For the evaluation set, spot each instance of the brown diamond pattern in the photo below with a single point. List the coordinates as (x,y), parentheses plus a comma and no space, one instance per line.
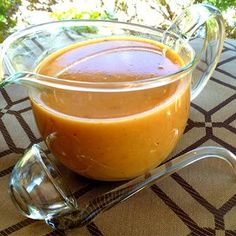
(212,122)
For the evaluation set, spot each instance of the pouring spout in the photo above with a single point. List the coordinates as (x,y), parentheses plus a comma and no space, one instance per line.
(31,79)
(13,79)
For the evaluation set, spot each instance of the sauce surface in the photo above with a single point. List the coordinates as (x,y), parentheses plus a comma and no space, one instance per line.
(112,136)
(111,59)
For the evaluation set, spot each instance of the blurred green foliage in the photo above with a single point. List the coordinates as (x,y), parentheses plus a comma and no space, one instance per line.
(8,9)
(220,4)
(73,14)
(38,5)
(7,16)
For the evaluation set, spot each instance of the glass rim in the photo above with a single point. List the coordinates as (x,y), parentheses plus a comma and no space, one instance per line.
(116,86)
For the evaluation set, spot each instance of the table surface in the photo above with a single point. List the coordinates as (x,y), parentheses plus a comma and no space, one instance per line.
(198,200)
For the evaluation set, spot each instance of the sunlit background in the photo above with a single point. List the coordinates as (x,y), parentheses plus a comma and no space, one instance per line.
(18,14)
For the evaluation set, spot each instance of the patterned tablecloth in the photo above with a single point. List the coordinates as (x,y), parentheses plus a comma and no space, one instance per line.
(198,200)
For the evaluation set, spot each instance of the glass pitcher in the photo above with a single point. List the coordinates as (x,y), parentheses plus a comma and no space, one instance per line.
(114,130)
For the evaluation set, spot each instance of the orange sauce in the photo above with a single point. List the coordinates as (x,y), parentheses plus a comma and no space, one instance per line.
(112,135)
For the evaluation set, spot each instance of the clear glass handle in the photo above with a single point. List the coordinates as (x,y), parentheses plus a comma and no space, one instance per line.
(81,217)
(203,26)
